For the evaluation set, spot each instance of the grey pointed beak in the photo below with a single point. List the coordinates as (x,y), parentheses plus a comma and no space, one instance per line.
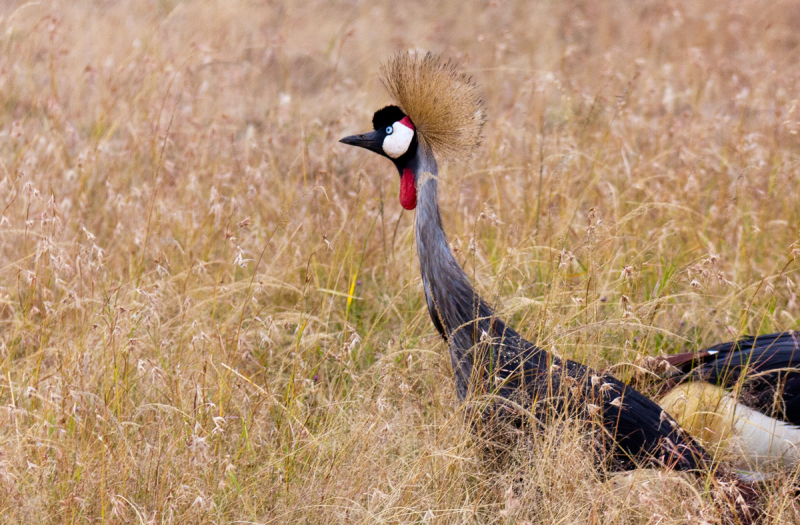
(370,141)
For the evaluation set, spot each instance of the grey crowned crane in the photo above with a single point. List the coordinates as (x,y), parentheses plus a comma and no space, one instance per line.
(745,393)
(438,112)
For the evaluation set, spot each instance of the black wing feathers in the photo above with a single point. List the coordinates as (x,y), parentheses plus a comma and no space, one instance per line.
(635,429)
(767,365)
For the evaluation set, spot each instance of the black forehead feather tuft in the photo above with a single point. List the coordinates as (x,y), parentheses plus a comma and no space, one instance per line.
(387,116)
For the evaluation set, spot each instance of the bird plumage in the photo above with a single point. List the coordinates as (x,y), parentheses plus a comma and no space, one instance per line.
(490,358)
(745,393)
(495,368)
(768,367)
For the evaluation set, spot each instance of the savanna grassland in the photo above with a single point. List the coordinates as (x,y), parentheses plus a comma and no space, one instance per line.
(211,311)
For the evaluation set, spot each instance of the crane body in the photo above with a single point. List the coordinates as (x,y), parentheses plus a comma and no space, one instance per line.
(491,358)
(509,379)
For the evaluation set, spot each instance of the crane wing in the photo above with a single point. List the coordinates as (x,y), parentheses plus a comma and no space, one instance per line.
(768,367)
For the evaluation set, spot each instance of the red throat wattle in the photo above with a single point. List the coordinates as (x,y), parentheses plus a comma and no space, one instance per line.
(408,192)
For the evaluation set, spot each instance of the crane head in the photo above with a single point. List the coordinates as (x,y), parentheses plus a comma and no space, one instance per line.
(394,137)
(439,111)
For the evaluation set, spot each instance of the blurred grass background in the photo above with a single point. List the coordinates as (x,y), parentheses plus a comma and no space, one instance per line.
(211,312)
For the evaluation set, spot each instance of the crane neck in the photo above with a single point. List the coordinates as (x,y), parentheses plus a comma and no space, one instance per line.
(459,314)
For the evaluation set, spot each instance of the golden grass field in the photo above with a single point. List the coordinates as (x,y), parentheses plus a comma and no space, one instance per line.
(211,311)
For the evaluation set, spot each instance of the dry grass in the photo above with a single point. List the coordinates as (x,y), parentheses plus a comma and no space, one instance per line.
(210,311)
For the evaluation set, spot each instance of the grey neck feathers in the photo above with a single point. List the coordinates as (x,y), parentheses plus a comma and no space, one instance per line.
(462,318)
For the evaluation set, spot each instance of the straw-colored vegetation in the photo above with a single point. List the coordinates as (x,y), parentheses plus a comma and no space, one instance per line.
(210,311)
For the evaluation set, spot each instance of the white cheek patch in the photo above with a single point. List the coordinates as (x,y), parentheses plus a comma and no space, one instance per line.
(396,144)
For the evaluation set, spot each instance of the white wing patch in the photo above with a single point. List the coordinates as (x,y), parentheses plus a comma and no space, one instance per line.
(769,442)
(752,439)
(396,144)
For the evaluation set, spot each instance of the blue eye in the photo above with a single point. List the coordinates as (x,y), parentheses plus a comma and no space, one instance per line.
(389,130)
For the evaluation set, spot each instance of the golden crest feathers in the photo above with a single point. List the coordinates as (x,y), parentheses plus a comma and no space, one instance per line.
(443,104)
